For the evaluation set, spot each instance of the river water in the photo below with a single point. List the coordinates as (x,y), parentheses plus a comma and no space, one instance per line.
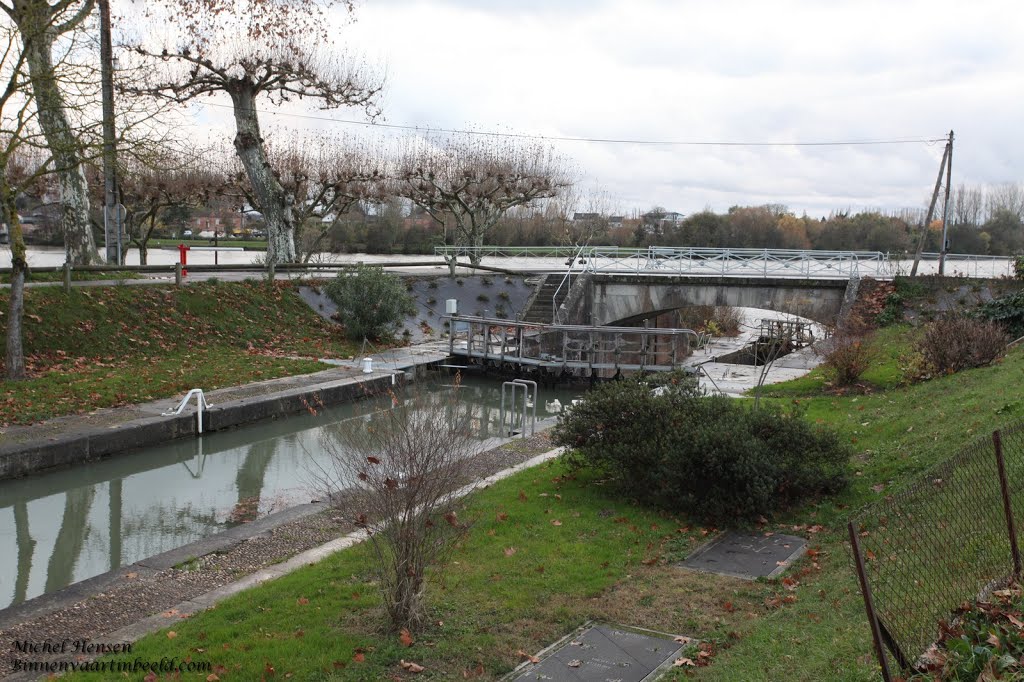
(68,525)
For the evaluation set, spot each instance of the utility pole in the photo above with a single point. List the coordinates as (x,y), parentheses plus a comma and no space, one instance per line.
(945,211)
(111,209)
(931,207)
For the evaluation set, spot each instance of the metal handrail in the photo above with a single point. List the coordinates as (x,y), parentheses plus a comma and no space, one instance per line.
(200,404)
(566,282)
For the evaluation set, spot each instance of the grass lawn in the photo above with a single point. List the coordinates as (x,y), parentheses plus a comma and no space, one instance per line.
(115,345)
(76,275)
(522,581)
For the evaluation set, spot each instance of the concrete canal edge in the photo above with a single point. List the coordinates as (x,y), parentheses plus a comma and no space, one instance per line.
(189,607)
(68,441)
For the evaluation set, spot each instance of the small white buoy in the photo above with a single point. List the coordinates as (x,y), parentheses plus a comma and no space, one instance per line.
(553,407)
(367,365)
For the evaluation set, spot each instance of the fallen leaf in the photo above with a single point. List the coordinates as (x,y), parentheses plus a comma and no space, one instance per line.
(522,496)
(372,460)
(575,663)
(172,634)
(556,522)
(212,677)
(680,662)
(682,639)
(531,658)
(303,601)
(411,667)
(509,551)
(502,516)
(405,637)
(359,657)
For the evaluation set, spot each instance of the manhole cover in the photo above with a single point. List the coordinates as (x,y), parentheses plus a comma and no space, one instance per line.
(599,653)
(747,556)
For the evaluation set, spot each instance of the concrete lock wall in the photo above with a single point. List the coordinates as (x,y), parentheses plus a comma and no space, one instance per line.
(627,298)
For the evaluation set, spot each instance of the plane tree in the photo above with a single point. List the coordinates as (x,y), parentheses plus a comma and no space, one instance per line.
(255,51)
(466,184)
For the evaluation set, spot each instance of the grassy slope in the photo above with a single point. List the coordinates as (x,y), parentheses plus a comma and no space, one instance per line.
(824,635)
(114,345)
(612,561)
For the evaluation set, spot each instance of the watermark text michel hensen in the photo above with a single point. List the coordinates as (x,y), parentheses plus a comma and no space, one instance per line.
(71,646)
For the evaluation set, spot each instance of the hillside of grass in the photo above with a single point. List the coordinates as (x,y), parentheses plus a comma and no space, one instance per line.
(108,346)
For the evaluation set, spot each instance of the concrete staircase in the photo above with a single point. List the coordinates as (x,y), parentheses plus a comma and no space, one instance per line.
(539,311)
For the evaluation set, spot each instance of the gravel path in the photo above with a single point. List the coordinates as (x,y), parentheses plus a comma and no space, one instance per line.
(136,594)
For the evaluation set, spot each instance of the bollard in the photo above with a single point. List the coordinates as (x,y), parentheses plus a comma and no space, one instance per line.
(367,365)
(183,259)
(67,277)
(177,274)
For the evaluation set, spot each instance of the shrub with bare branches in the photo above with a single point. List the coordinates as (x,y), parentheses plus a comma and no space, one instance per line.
(957,342)
(846,355)
(397,474)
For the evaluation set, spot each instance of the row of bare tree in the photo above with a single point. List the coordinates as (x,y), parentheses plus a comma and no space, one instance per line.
(254,52)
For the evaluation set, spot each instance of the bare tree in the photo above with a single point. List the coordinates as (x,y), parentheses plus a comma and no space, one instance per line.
(42,26)
(157,181)
(326,175)
(397,474)
(1006,198)
(968,204)
(24,163)
(474,181)
(253,50)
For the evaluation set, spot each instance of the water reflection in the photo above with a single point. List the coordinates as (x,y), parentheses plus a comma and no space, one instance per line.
(69,525)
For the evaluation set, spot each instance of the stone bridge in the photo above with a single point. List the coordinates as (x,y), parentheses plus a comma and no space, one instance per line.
(626,299)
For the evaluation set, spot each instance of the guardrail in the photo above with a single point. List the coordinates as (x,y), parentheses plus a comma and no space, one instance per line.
(700,260)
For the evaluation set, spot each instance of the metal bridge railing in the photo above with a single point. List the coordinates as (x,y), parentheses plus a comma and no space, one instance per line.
(700,260)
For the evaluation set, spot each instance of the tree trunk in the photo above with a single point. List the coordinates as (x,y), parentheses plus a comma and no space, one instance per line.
(143,254)
(15,358)
(274,201)
(37,36)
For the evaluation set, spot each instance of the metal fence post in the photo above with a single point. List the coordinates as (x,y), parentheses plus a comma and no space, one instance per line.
(1004,487)
(869,604)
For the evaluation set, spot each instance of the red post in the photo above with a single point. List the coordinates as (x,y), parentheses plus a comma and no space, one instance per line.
(183,258)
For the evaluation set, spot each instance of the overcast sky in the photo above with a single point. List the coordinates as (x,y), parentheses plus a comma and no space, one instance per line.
(728,71)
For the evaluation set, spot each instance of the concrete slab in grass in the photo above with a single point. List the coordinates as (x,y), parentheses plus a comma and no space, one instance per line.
(748,556)
(600,652)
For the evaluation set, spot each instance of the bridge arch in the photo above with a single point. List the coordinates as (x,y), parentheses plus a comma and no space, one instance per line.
(620,299)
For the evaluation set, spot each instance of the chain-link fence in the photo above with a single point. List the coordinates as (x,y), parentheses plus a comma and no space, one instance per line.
(946,537)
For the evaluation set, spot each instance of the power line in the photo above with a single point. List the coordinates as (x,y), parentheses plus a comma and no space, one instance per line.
(599,140)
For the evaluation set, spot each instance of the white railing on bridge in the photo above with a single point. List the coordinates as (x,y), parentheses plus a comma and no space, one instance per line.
(697,260)
(740,262)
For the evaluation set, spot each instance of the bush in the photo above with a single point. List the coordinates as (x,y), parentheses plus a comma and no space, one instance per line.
(703,455)
(371,303)
(1007,311)
(846,356)
(722,320)
(957,342)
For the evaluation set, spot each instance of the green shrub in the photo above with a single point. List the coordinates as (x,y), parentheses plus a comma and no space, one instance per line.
(707,456)
(371,303)
(1018,267)
(1007,311)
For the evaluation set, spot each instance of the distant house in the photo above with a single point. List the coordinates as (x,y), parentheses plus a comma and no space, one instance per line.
(659,220)
(585,217)
(616,220)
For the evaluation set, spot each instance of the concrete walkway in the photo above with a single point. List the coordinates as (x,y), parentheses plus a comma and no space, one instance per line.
(76,438)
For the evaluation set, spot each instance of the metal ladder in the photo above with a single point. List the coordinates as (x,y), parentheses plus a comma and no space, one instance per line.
(525,418)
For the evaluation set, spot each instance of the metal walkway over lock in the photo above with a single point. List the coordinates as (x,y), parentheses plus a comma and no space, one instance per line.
(554,348)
